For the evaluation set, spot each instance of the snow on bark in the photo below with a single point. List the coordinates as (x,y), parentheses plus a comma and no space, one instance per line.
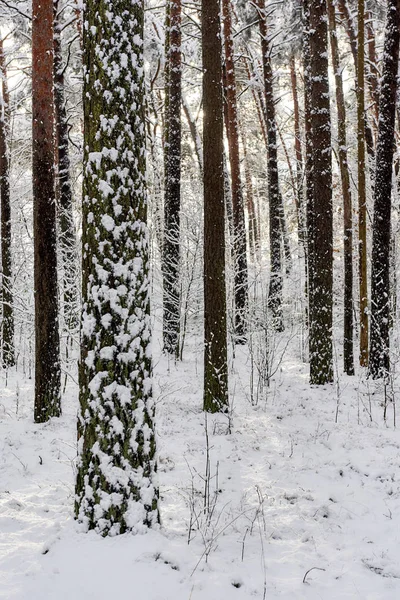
(116,489)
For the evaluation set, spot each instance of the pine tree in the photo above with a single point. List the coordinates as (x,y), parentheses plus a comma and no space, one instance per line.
(348,357)
(239,225)
(115,489)
(47,340)
(320,224)
(276,215)
(8,357)
(379,359)
(172,204)
(215,327)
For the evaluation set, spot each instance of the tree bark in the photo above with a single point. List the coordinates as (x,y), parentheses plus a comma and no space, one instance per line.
(348,355)
(47,341)
(321,215)
(379,359)
(8,356)
(172,204)
(239,226)
(116,490)
(215,325)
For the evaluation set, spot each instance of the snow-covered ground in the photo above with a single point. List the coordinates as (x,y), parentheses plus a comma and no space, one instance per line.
(295,505)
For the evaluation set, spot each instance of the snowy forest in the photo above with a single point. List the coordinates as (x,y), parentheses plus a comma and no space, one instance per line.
(199,325)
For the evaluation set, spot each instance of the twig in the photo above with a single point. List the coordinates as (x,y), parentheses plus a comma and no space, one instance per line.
(309,571)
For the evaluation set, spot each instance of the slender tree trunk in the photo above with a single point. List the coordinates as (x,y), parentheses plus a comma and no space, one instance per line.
(351,33)
(379,360)
(372,71)
(195,135)
(8,357)
(254,241)
(309,155)
(239,225)
(47,341)
(116,489)
(321,221)
(275,199)
(67,237)
(348,356)
(172,204)
(215,325)
(362,195)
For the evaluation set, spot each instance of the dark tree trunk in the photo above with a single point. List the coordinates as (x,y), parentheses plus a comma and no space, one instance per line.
(116,489)
(320,222)
(67,236)
(379,362)
(274,197)
(172,204)
(239,226)
(47,341)
(362,192)
(215,326)
(8,357)
(348,355)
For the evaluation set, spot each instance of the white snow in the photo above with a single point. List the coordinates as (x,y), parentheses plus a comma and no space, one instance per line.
(290,492)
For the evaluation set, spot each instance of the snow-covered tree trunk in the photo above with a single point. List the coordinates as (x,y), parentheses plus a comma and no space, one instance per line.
(379,360)
(116,489)
(215,321)
(320,210)
(172,203)
(47,339)
(348,354)
(239,225)
(8,356)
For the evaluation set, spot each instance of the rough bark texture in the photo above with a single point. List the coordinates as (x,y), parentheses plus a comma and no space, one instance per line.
(8,356)
(47,342)
(379,360)
(67,236)
(275,200)
(362,193)
(239,226)
(348,355)
(320,221)
(172,203)
(215,338)
(115,488)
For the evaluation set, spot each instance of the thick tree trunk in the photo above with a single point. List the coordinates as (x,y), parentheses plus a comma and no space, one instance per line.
(348,355)
(379,360)
(172,204)
(215,326)
(239,226)
(274,197)
(67,236)
(115,489)
(8,356)
(47,341)
(321,216)
(362,194)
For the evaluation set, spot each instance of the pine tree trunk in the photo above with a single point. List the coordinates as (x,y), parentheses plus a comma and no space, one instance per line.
(47,341)
(8,356)
(321,215)
(215,325)
(274,197)
(348,355)
(254,240)
(362,195)
(172,204)
(309,156)
(239,226)
(379,360)
(67,237)
(115,488)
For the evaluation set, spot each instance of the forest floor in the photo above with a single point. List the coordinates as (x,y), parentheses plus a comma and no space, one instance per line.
(297,497)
